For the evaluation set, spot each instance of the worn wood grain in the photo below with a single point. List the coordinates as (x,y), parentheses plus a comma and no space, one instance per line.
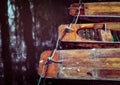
(84,67)
(76,73)
(106,8)
(84,64)
(96,9)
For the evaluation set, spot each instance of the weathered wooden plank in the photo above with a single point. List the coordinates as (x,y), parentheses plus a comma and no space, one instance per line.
(96,9)
(72,35)
(80,67)
(97,12)
(107,36)
(105,8)
(76,64)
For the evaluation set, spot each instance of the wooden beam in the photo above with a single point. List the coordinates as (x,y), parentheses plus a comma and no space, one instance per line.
(96,9)
(84,64)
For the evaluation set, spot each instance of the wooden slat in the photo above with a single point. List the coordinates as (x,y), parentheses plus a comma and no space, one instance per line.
(81,64)
(103,8)
(99,35)
(97,12)
(96,9)
(84,64)
(73,36)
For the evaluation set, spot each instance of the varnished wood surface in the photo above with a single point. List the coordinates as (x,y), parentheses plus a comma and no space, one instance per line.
(96,9)
(85,64)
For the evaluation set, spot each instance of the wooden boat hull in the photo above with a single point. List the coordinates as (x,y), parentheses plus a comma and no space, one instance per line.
(102,64)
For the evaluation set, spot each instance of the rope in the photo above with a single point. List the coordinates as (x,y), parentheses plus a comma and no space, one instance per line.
(69,27)
(57,42)
(105,28)
(39,81)
(78,14)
